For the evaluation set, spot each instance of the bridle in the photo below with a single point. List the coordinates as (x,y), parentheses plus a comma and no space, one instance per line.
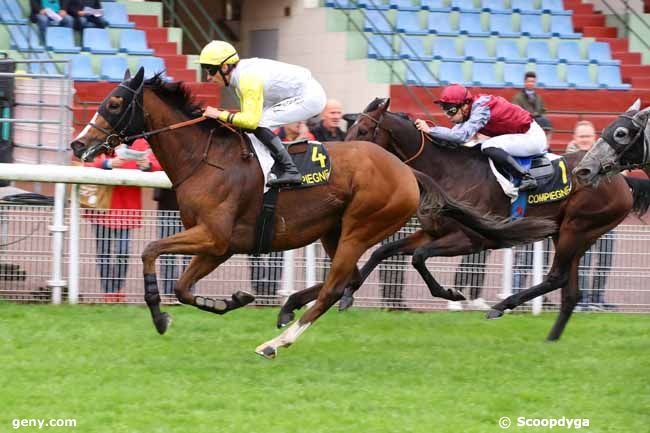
(395,148)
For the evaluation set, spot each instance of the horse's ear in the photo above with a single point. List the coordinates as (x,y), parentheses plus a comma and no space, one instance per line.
(636,106)
(137,79)
(127,75)
(385,104)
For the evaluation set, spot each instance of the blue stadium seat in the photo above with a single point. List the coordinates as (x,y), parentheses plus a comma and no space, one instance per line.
(484,75)
(115,14)
(470,24)
(609,76)
(508,51)
(112,68)
(377,22)
(434,5)
(61,40)
(494,7)
(547,77)
(569,52)
(513,74)
(24,38)
(409,22)
(11,13)
(97,41)
(531,25)
(152,65)
(440,24)
(600,53)
(501,25)
(463,6)
(42,68)
(445,50)
(451,72)
(562,27)
(477,51)
(539,52)
(555,7)
(524,7)
(412,47)
(420,74)
(404,5)
(341,4)
(373,4)
(578,76)
(381,47)
(81,68)
(134,42)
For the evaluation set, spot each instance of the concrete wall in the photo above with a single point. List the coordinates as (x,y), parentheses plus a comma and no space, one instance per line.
(304,40)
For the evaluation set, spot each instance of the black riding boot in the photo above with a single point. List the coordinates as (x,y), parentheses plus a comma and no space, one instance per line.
(502,158)
(289,174)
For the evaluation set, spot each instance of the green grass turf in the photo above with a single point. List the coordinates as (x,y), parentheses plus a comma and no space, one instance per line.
(362,371)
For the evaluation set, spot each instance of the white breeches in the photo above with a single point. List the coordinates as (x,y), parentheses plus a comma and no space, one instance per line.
(532,142)
(309,104)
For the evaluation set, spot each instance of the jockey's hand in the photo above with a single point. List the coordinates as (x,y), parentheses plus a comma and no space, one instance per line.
(421,125)
(212,112)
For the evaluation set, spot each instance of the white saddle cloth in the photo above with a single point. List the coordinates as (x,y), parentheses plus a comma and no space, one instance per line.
(264,157)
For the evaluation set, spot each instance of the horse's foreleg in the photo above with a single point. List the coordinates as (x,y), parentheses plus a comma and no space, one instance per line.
(570,296)
(197,241)
(295,302)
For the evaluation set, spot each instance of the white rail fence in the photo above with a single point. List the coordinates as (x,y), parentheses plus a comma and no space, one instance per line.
(60,254)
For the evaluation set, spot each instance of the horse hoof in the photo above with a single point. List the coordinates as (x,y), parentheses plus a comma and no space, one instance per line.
(284,318)
(243,297)
(346,302)
(457,296)
(493,314)
(162,323)
(267,352)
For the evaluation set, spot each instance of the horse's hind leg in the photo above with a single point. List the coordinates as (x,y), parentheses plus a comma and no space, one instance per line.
(570,296)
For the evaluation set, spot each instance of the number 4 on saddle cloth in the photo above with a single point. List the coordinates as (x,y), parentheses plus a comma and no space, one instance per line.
(553,182)
(313,162)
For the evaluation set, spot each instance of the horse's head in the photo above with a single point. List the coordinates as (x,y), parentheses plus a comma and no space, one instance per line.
(392,131)
(622,142)
(119,116)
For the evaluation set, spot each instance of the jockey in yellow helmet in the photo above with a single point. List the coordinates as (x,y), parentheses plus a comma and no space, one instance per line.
(271,93)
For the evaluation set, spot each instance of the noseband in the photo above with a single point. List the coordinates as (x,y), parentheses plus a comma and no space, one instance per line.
(643,129)
(397,150)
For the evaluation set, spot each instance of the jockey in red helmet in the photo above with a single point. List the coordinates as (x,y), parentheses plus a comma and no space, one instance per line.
(512,130)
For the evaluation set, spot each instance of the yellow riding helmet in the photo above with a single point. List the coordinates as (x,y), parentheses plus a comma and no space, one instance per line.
(218,53)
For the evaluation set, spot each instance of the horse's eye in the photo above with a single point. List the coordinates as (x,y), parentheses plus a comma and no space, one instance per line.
(621,133)
(363,131)
(114,106)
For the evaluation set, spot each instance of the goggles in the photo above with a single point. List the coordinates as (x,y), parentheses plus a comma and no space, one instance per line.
(450,109)
(210,69)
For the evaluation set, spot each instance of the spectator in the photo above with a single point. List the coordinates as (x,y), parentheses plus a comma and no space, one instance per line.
(329,128)
(50,13)
(169,223)
(266,269)
(529,100)
(584,137)
(84,18)
(113,226)
(471,274)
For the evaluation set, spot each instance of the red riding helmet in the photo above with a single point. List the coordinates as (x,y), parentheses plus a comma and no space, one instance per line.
(454,94)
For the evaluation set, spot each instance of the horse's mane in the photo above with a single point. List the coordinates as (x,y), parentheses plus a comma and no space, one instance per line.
(180,98)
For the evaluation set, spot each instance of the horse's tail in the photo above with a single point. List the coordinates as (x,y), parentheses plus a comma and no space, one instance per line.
(434,202)
(640,193)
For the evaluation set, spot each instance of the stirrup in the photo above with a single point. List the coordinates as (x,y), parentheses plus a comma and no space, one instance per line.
(527,184)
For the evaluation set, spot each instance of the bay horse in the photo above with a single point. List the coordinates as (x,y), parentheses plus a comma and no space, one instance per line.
(370,195)
(623,145)
(585,215)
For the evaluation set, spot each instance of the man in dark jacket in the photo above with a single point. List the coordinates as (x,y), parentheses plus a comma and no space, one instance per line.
(529,100)
(86,18)
(328,128)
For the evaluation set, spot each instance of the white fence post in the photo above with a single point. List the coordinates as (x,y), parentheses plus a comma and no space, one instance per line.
(73,264)
(288,271)
(310,265)
(507,274)
(58,229)
(538,273)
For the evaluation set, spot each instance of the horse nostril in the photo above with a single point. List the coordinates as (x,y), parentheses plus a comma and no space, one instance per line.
(582,172)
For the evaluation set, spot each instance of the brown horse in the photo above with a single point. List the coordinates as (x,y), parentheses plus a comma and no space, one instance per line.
(585,215)
(370,195)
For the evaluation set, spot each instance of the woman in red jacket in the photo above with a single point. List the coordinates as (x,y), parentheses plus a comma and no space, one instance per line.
(113,225)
